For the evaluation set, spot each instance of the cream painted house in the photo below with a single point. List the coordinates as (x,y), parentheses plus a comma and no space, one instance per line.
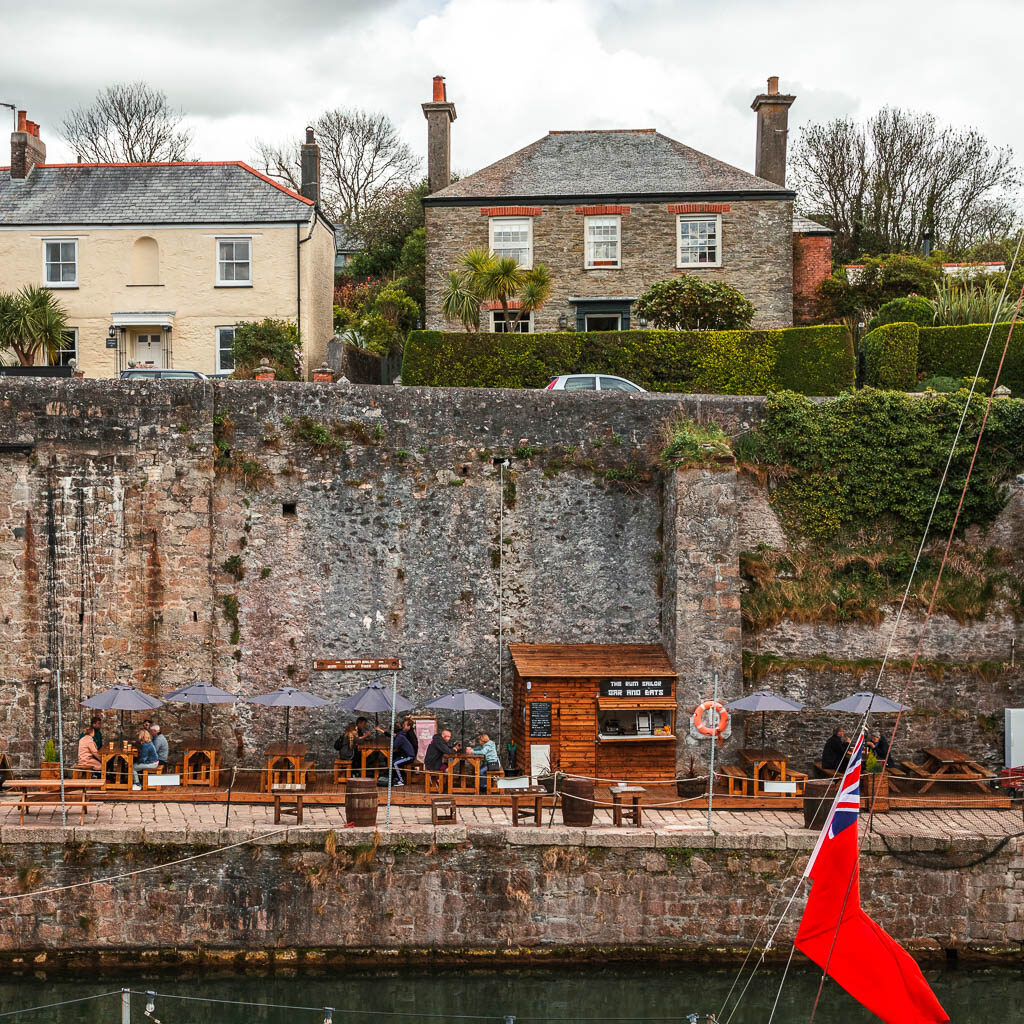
(156,263)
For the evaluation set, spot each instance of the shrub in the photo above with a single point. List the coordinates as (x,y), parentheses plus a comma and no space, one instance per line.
(275,340)
(956,352)
(963,301)
(688,443)
(811,360)
(913,310)
(890,356)
(691,304)
(880,279)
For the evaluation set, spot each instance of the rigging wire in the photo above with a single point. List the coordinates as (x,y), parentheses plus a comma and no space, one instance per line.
(63,1002)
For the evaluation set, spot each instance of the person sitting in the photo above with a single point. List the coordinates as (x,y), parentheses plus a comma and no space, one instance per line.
(147,757)
(345,745)
(440,748)
(879,746)
(835,753)
(88,752)
(485,745)
(402,753)
(97,736)
(160,743)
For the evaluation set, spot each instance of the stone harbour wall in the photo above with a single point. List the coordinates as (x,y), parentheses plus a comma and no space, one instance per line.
(493,891)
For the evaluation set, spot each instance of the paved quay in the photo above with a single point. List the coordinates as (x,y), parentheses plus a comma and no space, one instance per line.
(130,820)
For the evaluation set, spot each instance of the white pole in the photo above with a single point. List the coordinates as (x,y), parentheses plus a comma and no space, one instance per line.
(501,562)
(126,1006)
(711,778)
(391,740)
(60,752)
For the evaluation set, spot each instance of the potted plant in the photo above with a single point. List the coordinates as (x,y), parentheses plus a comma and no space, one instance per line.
(50,768)
(691,784)
(875,784)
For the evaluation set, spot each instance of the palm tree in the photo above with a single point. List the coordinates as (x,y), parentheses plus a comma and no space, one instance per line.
(32,322)
(486,277)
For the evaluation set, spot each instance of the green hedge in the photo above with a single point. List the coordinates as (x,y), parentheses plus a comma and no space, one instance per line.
(955,351)
(809,360)
(890,356)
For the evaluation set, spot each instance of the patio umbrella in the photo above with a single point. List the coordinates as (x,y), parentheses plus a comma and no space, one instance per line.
(289,697)
(122,698)
(861,703)
(464,700)
(373,699)
(201,694)
(764,701)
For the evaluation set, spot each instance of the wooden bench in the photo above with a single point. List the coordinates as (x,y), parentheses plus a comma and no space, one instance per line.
(528,803)
(84,771)
(443,810)
(73,799)
(287,803)
(436,782)
(493,777)
(159,779)
(342,771)
(915,769)
(736,780)
(626,805)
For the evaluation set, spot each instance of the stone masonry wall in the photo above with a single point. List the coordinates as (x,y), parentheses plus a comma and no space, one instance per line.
(757,256)
(488,890)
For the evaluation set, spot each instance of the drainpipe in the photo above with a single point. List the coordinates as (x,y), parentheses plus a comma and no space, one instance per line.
(299,242)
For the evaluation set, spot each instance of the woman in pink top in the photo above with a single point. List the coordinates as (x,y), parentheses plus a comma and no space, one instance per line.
(88,754)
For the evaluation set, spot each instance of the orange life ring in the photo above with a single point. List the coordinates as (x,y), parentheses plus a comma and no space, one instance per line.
(710,730)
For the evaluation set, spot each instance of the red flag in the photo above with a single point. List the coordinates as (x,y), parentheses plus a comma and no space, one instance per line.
(841,939)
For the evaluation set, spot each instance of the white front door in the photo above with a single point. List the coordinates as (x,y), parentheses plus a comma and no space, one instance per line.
(149,349)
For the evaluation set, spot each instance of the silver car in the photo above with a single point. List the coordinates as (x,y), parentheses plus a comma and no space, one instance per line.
(152,373)
(591,382)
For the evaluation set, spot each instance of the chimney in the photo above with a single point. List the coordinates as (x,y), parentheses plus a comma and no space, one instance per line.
(772,132)
(27,149)
(310,160)
(439,114)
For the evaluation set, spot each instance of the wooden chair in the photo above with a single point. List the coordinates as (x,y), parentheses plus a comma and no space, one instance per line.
(288,802)
(800,778)
(526,804)
(736,780)
(626,805)
(144,774)
(493,776)
(436,782)
(342,772)
(443,810)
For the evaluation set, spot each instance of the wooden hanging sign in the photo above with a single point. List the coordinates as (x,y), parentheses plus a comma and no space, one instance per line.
(357,664)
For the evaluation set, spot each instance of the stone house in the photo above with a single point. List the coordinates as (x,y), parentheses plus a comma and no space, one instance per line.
(612,212)
(156,263)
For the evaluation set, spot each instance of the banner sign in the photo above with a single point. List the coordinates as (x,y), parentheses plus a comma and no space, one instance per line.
(636,687)
(357,664)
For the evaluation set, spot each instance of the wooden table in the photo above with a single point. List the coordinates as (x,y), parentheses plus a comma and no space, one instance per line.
(623,810)
(200,765)
(528,803)
(116,765)
(947,765)
(47,791)
(769,765)
(286,763)
(462,781)
(368,747)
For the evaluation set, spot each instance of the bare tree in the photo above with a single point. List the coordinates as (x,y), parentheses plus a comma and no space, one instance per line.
(127,122)
(883,183)
(363,162)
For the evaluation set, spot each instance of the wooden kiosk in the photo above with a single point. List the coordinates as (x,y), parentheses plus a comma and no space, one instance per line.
(601,710)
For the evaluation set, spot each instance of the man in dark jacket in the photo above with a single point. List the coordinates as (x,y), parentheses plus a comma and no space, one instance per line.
(440,748)
(835,753)
(879,746)
(402,753)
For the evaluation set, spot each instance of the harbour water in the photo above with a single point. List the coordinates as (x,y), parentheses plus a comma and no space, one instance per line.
(564,995)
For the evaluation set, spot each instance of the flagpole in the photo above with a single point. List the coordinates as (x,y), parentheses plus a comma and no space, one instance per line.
(711,778)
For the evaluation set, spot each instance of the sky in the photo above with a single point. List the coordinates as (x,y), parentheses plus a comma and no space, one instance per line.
(516,69)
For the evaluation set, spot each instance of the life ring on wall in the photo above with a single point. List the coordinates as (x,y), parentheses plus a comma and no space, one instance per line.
(718,708)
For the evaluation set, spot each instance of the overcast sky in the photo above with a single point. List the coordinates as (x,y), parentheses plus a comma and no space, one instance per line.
(517,68)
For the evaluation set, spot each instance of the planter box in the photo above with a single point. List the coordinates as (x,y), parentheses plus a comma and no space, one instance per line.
(49,770)
(874,787)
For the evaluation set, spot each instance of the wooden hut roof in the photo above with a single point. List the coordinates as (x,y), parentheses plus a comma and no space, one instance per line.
(594,661)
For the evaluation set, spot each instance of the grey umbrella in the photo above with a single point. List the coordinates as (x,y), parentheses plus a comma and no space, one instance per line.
(201,694)
(122,698)
(764,701)
(861,703)
(373,699)
(288,697)
(464,700)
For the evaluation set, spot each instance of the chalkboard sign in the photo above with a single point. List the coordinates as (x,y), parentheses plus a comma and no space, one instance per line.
(540,719)
(636,687)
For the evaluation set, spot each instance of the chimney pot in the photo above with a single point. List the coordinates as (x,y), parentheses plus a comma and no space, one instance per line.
(440,93)
(21,120)
(309,135)
(27,149)
(773,85)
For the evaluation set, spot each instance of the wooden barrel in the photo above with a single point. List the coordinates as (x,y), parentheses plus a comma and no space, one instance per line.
(818,797)
(361,801)
(577,801)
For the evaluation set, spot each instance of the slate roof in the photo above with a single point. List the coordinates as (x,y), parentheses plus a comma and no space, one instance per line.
(344,242)
(640,163)
(805,226)
(169,193)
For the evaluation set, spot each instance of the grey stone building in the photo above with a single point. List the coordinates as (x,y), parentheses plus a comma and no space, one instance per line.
(611,212)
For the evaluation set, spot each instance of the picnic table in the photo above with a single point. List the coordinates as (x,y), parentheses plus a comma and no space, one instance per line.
(944,764)
(286,764)
(32,792)
(368,747)
(770,772)
(116,762)
(466,779)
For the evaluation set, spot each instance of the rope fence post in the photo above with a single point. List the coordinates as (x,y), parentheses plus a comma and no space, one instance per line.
(231,786)
(711,778)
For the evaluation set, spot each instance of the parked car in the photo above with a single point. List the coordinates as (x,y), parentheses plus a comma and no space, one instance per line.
(591,382)
(148,373)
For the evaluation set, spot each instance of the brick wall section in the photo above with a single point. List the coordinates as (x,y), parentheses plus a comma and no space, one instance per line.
(486,891)
(812,263)
(756,246)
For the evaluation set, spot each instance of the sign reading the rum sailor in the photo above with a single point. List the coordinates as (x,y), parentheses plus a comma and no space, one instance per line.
(636,687)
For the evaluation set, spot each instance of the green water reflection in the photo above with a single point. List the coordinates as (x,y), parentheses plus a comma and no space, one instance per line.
(592,993)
